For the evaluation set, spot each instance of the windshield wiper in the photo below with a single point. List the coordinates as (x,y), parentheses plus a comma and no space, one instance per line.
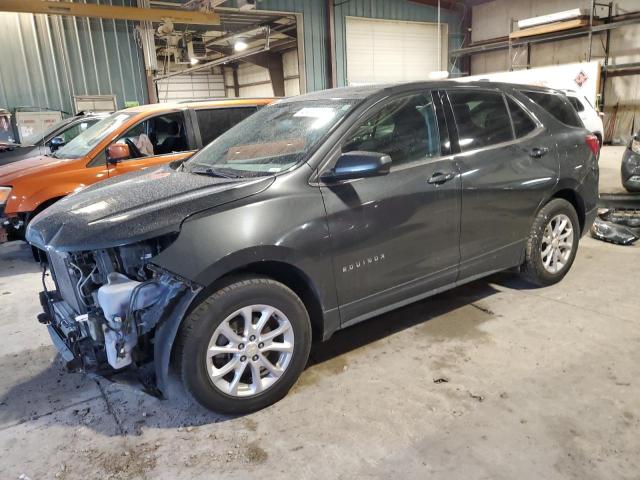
(215,172)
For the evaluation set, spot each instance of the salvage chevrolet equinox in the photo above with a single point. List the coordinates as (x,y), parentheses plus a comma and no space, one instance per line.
(311,215)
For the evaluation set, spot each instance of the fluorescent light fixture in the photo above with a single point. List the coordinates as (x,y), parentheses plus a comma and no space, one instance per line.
(552,17)
(194,61)
(240,46)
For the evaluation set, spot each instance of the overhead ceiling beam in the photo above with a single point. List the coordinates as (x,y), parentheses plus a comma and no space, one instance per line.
(288,30)
(273,48)
(109,11)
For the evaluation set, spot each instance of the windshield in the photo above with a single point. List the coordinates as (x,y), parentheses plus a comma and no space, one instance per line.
(36,137)
(87,140)
(273,140)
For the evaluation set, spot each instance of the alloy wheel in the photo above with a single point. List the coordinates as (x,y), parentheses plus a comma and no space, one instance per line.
(557,243)
(250,350)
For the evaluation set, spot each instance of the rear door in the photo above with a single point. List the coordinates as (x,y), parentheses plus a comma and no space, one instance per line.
(506,164)
(395,237)
(213,122)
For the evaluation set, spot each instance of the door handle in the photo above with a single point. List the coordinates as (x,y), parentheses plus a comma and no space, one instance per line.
(538,152)
(438,178)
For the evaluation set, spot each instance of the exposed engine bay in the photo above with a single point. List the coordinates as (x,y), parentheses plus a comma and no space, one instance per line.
(107,304)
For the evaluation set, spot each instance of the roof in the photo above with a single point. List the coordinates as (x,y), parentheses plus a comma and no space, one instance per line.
(365,91)
(221,102)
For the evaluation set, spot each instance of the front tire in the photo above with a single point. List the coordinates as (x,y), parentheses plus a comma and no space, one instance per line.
(552,243)
(245,346)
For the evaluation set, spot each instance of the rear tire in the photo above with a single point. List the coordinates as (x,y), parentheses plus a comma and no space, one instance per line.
(234,331)
(552,243)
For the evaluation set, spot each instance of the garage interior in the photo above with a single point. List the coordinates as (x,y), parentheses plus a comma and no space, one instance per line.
(494,379)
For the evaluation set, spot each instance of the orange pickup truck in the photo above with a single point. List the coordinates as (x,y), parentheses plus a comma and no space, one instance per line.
(127,140)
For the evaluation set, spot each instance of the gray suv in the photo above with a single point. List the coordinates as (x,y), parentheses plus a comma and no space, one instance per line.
(315,213)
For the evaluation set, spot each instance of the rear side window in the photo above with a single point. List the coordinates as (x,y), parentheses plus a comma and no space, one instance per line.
(214,122)
(558,106)
(577,104)
(523,124)
(481,117)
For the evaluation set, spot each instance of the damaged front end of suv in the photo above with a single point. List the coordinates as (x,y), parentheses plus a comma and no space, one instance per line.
(113,309)
(108,305)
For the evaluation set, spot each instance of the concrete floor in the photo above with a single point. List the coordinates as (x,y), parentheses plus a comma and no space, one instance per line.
(492,380)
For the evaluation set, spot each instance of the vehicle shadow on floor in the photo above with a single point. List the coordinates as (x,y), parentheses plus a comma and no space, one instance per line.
(52,393)
(369,331)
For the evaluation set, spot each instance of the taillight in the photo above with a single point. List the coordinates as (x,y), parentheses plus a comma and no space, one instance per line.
(593,143)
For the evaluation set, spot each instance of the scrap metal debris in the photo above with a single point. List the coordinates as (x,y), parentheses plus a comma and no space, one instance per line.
(619,226)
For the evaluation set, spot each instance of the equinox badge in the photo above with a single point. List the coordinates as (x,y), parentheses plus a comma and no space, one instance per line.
(363,263)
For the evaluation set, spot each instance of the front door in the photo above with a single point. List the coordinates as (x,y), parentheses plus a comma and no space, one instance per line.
(395,237)
(155,141)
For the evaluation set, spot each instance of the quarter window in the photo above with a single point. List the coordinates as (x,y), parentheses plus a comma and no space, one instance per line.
(523,124)
(406,129)
(214,122)
(556,105)
(575,103)
(481,117)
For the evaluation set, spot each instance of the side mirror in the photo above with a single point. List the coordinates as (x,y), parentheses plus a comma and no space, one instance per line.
(357,164)
(117,152)
(55,143)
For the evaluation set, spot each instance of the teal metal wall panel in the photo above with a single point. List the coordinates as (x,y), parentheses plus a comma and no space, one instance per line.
(315,28)
(314,17)
(47,59)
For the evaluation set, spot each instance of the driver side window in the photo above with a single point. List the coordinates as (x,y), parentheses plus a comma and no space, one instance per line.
(405,129)
(159,135)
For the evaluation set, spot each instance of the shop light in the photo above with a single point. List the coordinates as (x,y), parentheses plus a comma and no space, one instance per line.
(240,46)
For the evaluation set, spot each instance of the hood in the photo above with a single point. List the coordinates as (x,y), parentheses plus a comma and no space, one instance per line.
(38,165)
(20,152)
(133,207)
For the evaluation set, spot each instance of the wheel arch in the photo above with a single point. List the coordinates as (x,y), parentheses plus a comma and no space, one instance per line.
(281,271)
(575,199)
(45,204)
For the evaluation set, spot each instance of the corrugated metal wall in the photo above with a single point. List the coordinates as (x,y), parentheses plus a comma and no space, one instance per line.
(315,36)
(315,29)
(48,59)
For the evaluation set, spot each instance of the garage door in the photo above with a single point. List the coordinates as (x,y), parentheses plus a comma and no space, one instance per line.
(392,51)
(191,86)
